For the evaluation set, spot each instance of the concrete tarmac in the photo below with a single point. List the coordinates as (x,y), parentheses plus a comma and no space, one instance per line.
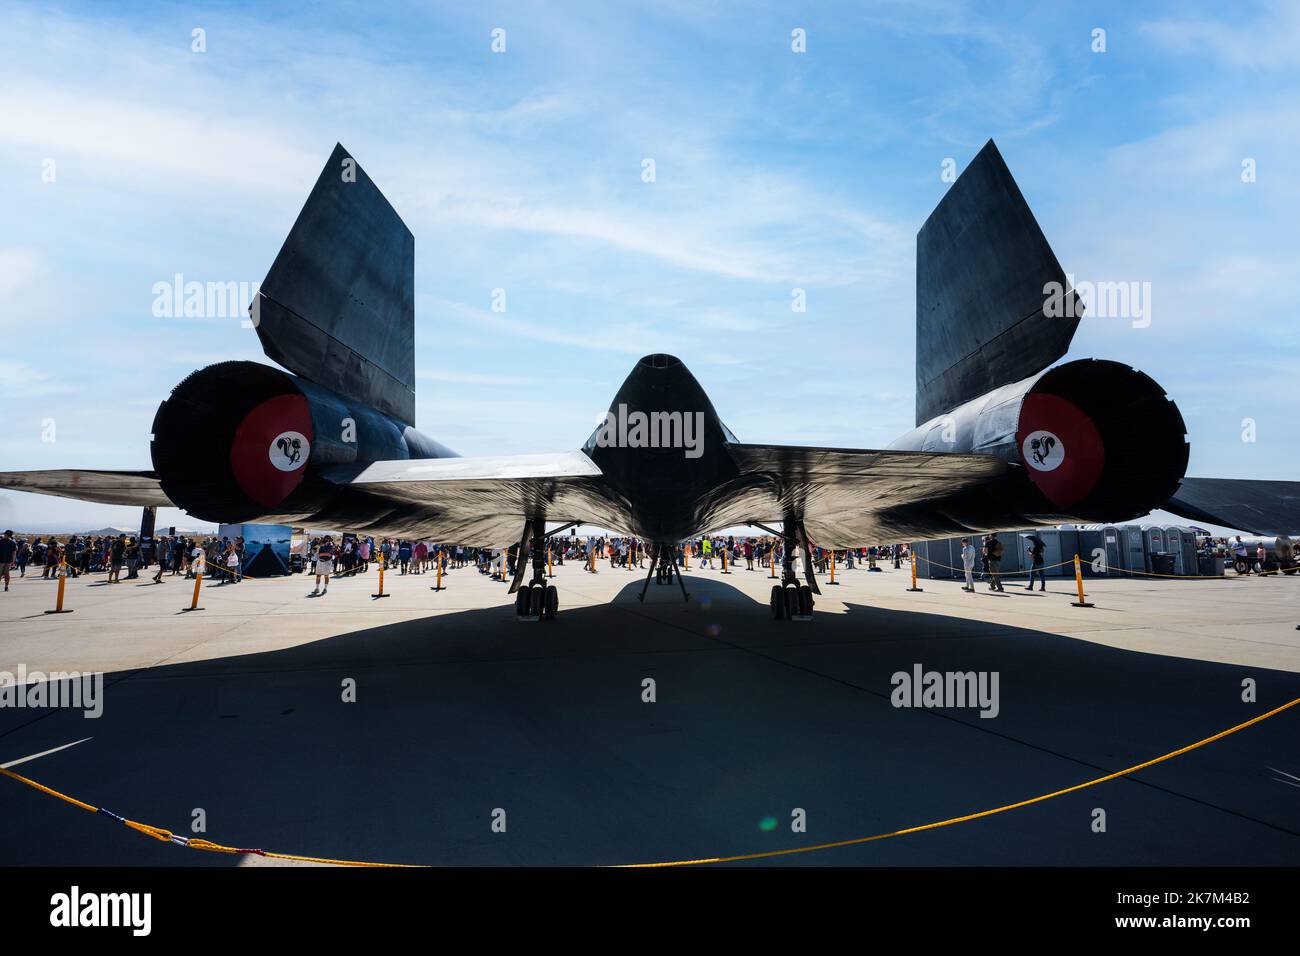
(237,712)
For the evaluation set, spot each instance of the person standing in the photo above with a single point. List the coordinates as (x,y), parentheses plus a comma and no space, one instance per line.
(233,563)
(116,555)
(325,565)
(1239,556)
(132,554)
(968,564)
(164,553)
(8,551)
(993,553)
(49,558)
(1036,548)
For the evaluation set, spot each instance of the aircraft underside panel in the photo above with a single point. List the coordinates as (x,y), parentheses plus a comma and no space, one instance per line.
(481,502)
(856,497)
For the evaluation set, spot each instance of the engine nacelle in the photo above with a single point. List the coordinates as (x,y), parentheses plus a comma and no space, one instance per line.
(241,441)
(1097,440)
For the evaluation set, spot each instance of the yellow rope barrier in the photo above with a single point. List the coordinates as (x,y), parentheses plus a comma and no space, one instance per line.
(1001,574)
(971,816)
(1109,570)
(167,836)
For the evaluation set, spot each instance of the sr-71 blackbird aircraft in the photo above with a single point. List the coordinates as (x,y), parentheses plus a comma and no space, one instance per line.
(1002,441)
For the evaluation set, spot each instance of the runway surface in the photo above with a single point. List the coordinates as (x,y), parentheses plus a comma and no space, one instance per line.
(461,710)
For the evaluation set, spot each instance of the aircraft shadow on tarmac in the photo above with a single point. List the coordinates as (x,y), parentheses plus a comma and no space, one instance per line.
(462,714)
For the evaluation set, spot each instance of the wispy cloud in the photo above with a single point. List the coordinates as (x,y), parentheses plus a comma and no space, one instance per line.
(523,172)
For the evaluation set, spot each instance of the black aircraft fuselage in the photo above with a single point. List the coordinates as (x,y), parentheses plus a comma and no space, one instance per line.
(662,447)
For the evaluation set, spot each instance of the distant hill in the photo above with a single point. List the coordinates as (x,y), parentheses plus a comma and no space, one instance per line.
(35,531)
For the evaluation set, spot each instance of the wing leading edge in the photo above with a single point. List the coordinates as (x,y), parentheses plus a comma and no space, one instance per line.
(1255,505)
(103,487)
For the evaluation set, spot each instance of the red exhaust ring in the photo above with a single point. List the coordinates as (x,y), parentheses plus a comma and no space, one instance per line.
(271,447)
(1061,448)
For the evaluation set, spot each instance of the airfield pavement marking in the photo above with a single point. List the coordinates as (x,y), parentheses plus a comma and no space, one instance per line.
(43,753)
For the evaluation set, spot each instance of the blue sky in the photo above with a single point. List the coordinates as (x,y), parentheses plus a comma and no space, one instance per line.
(522,171)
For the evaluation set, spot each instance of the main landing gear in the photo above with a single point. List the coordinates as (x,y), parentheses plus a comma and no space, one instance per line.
(790,600)
(536,601)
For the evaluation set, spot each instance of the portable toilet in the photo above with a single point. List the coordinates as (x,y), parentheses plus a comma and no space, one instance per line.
(941,562)
(1181,542)
(1099,547)
(1090,545)
(1155,541)
(1053,552)
(930,556)
(1068,545)
(1133,548)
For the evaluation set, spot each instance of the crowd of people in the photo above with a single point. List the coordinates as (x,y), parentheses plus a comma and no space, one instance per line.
(720,552)
(324,557)
(92,553)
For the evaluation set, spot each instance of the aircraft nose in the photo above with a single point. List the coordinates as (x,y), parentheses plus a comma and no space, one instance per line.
(659,360)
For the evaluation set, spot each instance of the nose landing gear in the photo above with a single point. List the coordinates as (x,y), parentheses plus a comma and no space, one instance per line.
(663,567)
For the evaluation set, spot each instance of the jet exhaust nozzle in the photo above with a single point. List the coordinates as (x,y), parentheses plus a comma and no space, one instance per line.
(1099,441)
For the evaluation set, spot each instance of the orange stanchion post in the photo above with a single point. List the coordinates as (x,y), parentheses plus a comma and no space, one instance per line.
(914,587)
(1078,581)
(198,580)
(381,593)
(724,561)
(771,560)
(686,551)
(58,598)
(550,570)
(832,580)
(437,580)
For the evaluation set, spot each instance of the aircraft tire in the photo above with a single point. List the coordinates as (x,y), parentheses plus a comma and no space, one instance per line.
(777,603)
(791,602)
